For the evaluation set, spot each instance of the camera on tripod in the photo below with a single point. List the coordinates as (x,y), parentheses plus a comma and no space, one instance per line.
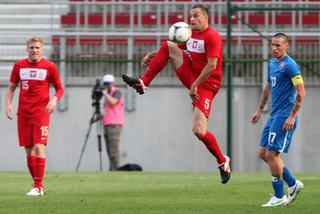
(97,93)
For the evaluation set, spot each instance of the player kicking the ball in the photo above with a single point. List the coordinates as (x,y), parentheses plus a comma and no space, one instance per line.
(287,92)
(198,65)
(34,75)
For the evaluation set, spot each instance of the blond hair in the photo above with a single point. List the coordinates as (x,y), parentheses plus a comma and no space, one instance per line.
(35,39)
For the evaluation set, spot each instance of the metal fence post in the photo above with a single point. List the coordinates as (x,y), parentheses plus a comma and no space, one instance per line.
(62,105)
(265,63)
(130,104)
(229,83)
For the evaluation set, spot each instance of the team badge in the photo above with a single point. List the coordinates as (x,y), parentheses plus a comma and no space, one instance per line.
(33,74)
(195,44)
(282,64)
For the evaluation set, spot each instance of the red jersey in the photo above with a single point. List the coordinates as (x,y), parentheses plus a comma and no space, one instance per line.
(204,45)
(35,79)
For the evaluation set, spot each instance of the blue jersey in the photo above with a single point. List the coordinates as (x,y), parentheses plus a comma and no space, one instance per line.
(283,91)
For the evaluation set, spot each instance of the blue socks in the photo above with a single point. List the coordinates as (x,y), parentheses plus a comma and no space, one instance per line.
(278,188)
(288,177)
(277,183)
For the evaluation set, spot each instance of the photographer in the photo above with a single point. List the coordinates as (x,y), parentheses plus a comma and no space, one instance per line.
(112,119)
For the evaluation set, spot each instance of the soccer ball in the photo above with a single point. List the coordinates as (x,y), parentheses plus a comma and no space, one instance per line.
(179,32)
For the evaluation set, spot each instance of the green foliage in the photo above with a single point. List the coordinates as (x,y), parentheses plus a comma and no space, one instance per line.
(121,192)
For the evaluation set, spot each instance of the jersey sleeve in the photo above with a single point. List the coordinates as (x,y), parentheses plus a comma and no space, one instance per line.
(293,71)
(269,79)
(54,79)
(15,76)
(213,45)
(116,94)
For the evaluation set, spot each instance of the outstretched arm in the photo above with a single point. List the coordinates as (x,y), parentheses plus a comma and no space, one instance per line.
(263,101)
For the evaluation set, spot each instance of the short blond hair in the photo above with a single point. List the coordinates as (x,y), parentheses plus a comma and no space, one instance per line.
(35,39)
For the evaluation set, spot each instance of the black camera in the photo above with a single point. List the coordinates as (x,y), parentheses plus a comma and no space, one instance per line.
(97,91)
(96,95)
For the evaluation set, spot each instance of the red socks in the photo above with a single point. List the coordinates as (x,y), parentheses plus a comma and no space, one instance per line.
(31,161)
(39,172)
(156,64)
(36,167)
(212,145)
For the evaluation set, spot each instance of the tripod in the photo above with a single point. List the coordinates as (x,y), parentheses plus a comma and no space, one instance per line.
(96,117)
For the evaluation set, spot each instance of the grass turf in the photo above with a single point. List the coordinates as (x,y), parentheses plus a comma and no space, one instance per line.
(122,192)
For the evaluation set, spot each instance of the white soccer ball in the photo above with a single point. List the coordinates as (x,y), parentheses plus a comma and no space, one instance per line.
(179,32)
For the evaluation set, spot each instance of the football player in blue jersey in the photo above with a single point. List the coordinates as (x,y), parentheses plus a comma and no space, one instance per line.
(287,94)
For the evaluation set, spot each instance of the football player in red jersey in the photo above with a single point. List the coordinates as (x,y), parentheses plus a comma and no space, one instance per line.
(34,74)
(198,65)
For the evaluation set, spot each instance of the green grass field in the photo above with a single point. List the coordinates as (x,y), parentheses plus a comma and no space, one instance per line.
(151,193)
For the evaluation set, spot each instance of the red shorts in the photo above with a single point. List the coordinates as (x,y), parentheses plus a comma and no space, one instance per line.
(206,95)
(33,130)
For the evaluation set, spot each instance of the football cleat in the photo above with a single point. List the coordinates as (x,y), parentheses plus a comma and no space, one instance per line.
(225,171)
(275,202)
(294,191)
(135,83)
(35,191)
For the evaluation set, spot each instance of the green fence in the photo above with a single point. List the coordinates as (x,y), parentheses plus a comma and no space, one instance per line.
(246,72)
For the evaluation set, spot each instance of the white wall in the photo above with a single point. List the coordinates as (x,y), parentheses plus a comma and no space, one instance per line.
(158,134)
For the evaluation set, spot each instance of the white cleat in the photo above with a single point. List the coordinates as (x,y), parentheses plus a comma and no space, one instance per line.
(294,191)
(275,202)
(35,191)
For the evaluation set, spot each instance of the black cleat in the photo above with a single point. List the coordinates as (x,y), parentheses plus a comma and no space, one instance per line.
(225,172)
(135,83)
